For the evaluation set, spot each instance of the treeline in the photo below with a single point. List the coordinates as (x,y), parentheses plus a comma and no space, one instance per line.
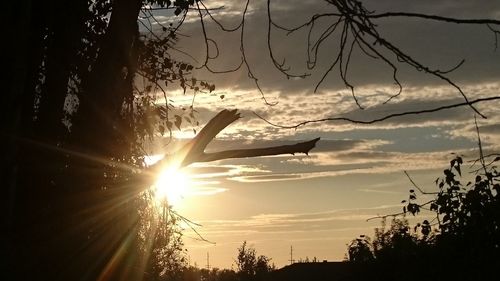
(249,267)
(460,242)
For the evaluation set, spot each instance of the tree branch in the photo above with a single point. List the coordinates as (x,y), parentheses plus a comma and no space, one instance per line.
(301,147)
(434,17)
(194,151)
(376,120)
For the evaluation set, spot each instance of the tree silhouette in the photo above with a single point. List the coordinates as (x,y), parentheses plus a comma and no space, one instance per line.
(360,250)
(72,138)
(250,266)
(461,242)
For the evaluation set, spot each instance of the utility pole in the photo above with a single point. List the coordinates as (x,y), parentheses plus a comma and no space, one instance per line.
(291,255)
(208,261)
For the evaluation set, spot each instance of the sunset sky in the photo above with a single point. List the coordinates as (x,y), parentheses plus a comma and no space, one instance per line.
(318,203)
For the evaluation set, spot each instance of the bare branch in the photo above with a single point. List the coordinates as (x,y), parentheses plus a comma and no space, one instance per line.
(435,17)
(280,66)
(416,186)
(301,147)
(480,145)
(399,213)
(194,150)
(376,120)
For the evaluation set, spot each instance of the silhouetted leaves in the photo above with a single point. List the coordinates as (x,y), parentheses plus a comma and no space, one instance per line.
(466,227)
(360,250)
(250,266)
(178,121)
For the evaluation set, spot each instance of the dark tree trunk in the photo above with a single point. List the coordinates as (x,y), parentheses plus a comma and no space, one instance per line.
(63,221)
(101,222)
(98,124)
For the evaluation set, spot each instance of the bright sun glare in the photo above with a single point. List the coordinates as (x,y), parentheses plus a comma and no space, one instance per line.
(172,185)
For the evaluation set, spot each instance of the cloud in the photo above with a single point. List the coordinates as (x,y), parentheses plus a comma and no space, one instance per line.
(297,107)
(491,129)
(206,191)
(342,220)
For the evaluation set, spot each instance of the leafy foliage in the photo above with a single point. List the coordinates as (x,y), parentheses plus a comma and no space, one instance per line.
(250,266)
(88,103)
(160,241)
(462,242)
(360,250)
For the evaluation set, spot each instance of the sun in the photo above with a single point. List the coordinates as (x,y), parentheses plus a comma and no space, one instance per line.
(172,186)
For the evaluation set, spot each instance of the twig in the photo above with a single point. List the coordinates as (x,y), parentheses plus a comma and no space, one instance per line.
(376,120)
(416,186)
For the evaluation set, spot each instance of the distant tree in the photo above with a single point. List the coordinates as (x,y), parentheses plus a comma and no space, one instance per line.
(263,266)
(398,243)
(360,250)
(245,262)
(215,274)
(251,267)
(226,275)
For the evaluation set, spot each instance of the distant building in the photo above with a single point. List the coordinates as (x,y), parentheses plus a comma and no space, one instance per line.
(326,271)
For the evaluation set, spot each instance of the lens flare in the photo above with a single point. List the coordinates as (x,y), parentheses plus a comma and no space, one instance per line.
(172,185)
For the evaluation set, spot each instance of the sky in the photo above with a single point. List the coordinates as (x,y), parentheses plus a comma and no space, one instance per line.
(320,202)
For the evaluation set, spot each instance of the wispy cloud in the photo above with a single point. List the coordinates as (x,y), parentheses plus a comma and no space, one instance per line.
(343,220)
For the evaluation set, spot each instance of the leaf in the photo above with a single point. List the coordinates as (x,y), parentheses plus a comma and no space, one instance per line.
(434,207)
(178,121)
(496,159)
(446,218)
(457,167)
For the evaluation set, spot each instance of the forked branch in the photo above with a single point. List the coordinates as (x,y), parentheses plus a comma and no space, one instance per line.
(194,151)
